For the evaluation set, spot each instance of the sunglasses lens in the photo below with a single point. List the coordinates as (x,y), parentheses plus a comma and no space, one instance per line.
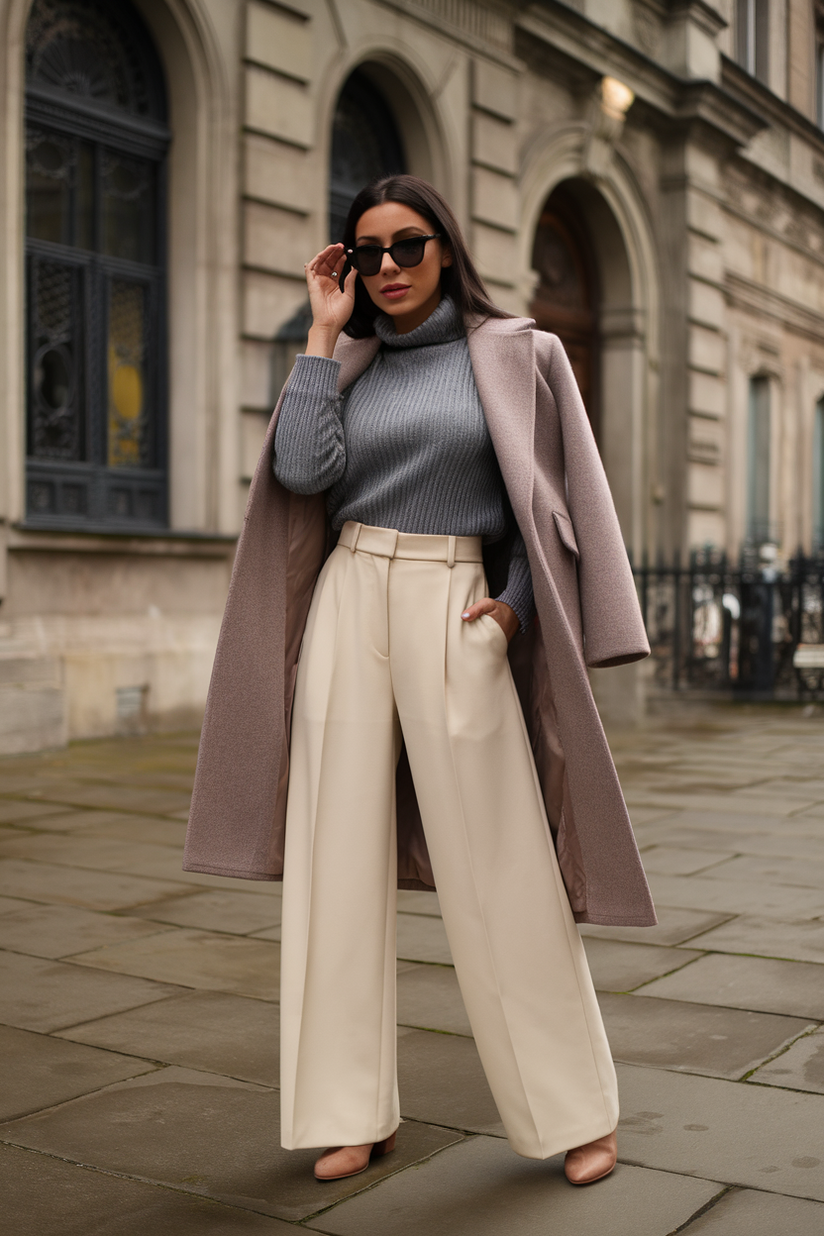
(366,259)
(409,252)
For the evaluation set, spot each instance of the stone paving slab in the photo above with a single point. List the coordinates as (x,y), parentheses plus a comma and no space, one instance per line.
(58,931)
(216,910)
(116,797)
(743,1212)
(676,925)
(429,998)
(421,938)
(206,1030)
(12,810)
(42,1196)
(618,966)
(206,1134)
(732,843)
(92,821)
(51,995)
(441,1075)
(192,958)
(800,1068)
(807,872)
(669,860)
(40,1071)
(692,1038)
(73,886)
(795,988)
(94,853)
(734,821)
(767,937)
(155,830)
(731,803)
(736,897)
(813,813)
(415,901)
(756,1136)
(481,1188)
(796,786)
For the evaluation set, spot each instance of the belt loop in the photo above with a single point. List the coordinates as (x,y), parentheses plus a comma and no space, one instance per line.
(450,553)
(355,535)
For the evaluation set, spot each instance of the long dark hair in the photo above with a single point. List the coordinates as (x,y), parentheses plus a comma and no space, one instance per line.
(460,281)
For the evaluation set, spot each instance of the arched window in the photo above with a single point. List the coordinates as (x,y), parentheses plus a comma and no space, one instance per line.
(365,144)
(96,143)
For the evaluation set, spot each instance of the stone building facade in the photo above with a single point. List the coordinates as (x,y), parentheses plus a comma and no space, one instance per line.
(644,177)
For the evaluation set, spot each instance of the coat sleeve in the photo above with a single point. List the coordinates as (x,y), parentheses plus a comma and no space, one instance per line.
(614,631)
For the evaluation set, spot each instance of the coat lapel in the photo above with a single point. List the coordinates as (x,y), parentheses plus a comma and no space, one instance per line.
(502,351)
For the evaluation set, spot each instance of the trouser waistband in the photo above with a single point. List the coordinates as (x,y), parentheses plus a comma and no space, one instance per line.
(389,543)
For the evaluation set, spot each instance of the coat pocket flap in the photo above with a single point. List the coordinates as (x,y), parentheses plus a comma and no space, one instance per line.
(566,532)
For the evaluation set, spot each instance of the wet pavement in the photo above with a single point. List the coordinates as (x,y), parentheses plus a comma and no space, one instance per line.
(138,1015)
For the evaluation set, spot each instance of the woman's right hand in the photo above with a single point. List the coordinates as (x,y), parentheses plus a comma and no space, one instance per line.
(331,303)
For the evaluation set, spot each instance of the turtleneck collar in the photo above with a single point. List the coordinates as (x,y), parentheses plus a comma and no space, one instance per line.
(443,325)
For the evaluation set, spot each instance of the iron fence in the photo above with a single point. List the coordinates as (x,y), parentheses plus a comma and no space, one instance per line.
(745,627)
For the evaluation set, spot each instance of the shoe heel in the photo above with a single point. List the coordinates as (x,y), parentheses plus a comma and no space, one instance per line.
(384,1147)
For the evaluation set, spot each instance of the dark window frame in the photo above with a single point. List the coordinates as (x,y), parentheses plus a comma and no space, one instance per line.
(89,494)
(752,38)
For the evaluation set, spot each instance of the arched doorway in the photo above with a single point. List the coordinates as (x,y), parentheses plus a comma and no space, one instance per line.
(366,143)
(566,297)
(96,146)
(587,295)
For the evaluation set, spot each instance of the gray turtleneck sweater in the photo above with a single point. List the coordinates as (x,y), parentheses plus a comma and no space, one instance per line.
(406,446)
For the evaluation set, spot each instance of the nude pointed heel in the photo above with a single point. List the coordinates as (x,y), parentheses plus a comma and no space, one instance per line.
(586,1164)
(341,1161)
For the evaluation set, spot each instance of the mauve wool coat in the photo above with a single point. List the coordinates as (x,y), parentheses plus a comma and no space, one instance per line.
(588,615)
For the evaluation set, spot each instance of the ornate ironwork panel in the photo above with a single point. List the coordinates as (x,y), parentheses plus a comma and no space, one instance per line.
(56,423)
(94,51)
(128,207)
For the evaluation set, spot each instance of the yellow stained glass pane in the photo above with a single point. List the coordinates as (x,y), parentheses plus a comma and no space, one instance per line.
(127,346)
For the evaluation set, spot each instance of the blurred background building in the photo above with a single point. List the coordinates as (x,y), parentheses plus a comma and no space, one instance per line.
(643,177)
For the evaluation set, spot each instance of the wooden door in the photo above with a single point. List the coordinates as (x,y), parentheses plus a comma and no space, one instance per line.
(565,298)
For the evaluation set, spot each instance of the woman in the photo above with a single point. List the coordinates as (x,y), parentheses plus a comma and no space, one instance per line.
(445,445)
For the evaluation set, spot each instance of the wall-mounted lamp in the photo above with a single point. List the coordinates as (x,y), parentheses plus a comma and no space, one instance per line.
(616,98)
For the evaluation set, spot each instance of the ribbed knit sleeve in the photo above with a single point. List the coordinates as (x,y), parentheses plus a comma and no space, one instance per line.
(310,453)
(518,593)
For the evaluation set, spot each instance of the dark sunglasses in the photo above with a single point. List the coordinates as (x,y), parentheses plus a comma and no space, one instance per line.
(367,259)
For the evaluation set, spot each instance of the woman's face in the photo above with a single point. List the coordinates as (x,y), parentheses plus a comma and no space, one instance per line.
(408,294)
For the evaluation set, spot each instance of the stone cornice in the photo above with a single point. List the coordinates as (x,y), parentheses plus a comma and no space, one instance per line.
(752,93)
(704,15)
(566,33)
(762,301)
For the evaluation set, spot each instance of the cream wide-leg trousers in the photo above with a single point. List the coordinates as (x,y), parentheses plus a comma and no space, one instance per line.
(386,653)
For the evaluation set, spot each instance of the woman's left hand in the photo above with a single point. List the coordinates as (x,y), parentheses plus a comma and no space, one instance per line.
(503,614)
